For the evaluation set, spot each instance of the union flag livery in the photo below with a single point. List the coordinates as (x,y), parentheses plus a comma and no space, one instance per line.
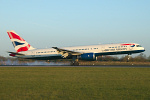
(18,42)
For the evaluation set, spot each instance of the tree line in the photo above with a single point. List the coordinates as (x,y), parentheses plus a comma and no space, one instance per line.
(17,61)
(139,58)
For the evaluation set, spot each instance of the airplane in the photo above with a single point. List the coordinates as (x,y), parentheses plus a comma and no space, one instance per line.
(90,52)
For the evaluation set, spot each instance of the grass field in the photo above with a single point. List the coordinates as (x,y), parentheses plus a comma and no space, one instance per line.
(74,83)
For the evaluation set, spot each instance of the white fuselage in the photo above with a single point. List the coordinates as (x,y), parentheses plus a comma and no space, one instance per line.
(98,50)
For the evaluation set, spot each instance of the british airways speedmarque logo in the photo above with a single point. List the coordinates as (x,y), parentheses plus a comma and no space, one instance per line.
(133,46)
(15,43)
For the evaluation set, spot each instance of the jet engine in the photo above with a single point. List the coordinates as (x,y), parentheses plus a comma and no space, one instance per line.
(88,56)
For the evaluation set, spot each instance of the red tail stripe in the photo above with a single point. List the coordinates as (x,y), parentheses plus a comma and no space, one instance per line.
(23,48)
(9,35)
(14,36)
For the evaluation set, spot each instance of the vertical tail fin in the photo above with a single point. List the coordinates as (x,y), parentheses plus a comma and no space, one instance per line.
(18,42)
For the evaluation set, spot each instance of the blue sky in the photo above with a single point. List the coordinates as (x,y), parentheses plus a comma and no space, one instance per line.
(47,23)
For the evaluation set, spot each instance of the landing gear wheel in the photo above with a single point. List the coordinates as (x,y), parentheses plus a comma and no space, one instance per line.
(75,63)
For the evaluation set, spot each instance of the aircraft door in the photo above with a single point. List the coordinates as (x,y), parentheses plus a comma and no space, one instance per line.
(103,49)
(131,47)
(33,54)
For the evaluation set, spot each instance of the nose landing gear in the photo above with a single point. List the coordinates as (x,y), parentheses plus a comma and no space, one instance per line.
(129,56)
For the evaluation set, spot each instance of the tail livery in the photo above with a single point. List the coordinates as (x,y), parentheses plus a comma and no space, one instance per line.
(18,42)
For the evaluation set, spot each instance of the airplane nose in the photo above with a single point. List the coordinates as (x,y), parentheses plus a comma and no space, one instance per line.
(143,49)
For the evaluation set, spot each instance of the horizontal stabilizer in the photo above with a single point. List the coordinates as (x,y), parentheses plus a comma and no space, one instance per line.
(14,53)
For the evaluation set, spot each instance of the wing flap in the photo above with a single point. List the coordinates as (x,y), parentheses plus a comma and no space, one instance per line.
(65,53)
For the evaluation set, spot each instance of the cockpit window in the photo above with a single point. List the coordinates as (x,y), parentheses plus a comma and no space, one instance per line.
(138,46)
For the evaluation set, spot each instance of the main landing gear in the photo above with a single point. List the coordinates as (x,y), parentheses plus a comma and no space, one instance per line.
(75,61)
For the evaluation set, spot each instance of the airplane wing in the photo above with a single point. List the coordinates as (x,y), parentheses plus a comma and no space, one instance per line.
(65,53)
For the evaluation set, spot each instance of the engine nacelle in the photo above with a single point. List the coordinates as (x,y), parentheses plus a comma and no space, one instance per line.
(88,56)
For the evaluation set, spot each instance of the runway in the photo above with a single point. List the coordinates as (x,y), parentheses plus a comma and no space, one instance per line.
(75,66)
